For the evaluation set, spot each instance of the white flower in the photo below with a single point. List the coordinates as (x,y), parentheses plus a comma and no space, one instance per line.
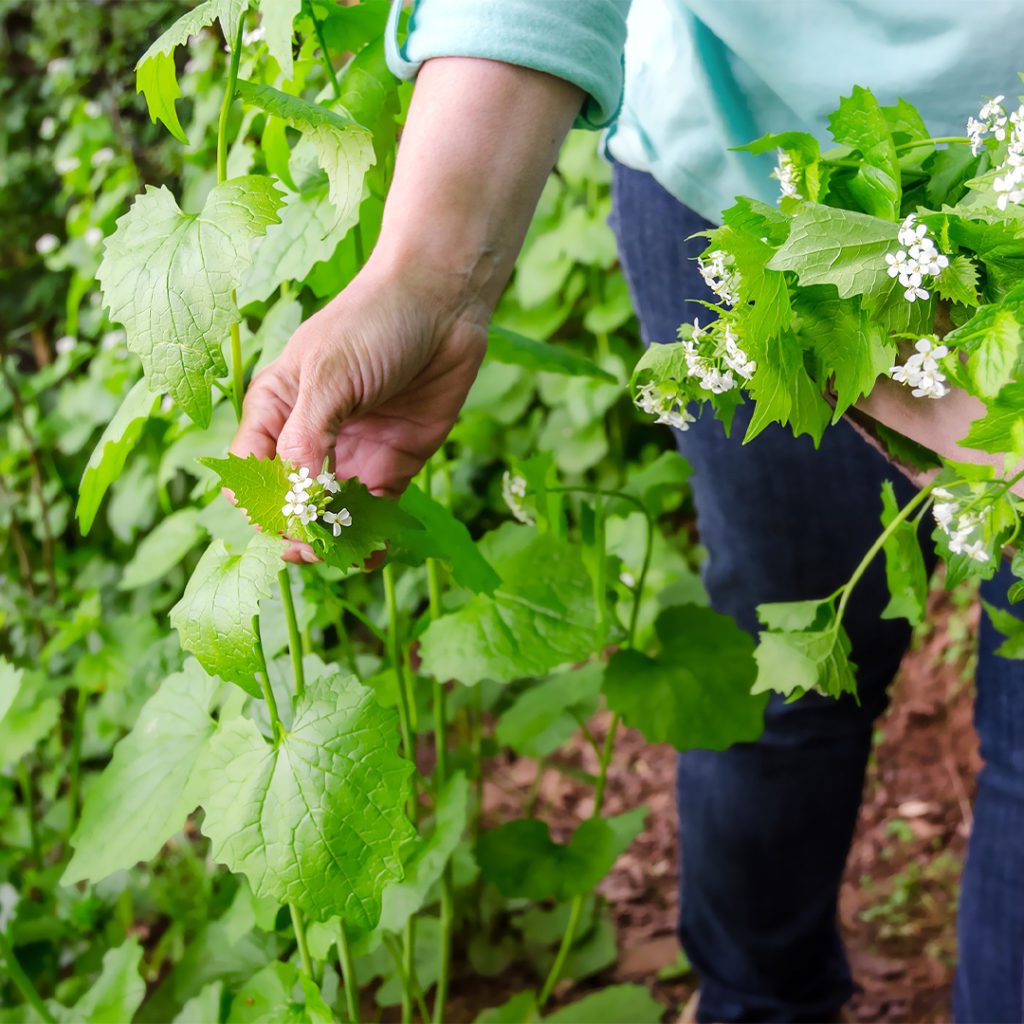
(93,236)
(65,344)
(92,109)
(47,128)
(786,175)
(308,514)
(102,156)
(58,66)
(991,118)
(300,479)
(627,579)
(921,370)
(721,276)
(329,483)
(66,164)
(513,493)
(735,358)
(253,35)
(1009,185)
(112,340)
(166,404)
(46,244)
(337,520)
(920,259)
(961,528)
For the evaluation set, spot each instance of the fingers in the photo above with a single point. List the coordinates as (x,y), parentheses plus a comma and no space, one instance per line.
(264,414)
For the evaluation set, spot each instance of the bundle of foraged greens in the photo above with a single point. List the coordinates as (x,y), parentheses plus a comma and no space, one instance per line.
(889,278)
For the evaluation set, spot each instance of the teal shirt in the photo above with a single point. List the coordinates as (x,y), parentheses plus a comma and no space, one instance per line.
(678,82)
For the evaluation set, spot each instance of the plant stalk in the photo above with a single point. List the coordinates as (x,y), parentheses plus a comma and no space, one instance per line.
(22,980)
(324,55)
(294,639)
(300,941)
(75,760)
(348,974)
(237,370)
(268,690)
(28,797)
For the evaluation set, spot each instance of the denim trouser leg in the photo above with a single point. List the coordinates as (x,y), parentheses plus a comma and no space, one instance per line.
(990,975)
(765,827)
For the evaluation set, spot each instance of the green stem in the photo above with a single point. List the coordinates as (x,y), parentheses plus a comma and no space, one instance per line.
(22,980)
(938,140)
(294,639)
(356,613)
(348,974)
(901,517)
(409,989)
(268,690)
(409,967)
(75,766)
(324,54)
(28,798)
(563,952)
(237,375)
(397,657)
(300,940)
(357,242)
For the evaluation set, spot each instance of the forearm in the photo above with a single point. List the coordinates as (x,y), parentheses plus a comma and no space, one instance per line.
(479,142)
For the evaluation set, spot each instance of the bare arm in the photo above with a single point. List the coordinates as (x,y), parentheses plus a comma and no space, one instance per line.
(377,377)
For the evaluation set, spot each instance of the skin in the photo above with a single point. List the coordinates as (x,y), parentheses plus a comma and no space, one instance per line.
(376,379)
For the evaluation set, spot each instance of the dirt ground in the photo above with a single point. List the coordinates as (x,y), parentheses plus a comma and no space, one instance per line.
(898,900)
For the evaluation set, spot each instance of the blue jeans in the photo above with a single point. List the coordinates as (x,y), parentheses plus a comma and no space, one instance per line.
(765,827)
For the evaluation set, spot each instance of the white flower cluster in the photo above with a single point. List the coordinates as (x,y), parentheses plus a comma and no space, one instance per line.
(918,260)
(709,374)
(959,527)
(45,244)
(721,276)
(991,118)
(513,492)
(664,406)
(1010,183)
(921,371)
(786,175)
(307,500)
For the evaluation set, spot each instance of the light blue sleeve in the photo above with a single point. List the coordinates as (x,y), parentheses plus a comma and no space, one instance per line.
(579,40)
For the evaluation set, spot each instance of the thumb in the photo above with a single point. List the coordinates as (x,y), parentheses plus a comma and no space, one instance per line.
(307,436)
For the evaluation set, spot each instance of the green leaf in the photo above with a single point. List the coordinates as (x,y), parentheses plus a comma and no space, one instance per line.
(280,323)
(31,715)
(612,1005)
(520,1009)
(157,80)
(426,865)
(111,452)
(119,990)
(861,124)
(268,998)
(214,617)
(958,282)
(852,349)
(1011,627)
(992,340)
(10,685)
(542,616)
(163,549)
(168,277)
(317,820)
(905,570)
(504,346)
(763,308)
(696,692)
(203,1008)
(344,149)
(838,247)
(523,861)
(310,231)
(1001,429)
(277,17)
(446,538)
(803,649)
(259,487)
(547,715)
(153,782)
(155,74)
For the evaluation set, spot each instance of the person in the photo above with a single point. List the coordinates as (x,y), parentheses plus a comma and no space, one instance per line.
(377,377)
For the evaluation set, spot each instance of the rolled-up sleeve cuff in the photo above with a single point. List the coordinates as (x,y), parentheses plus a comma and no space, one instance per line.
(579,40)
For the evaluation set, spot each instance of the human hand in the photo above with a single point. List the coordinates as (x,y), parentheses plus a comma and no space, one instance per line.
(374,381)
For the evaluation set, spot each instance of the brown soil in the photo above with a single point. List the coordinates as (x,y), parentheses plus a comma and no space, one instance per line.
(898,901)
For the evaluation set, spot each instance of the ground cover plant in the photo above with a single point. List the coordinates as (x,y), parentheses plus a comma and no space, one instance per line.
(894,255)
(236,790)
